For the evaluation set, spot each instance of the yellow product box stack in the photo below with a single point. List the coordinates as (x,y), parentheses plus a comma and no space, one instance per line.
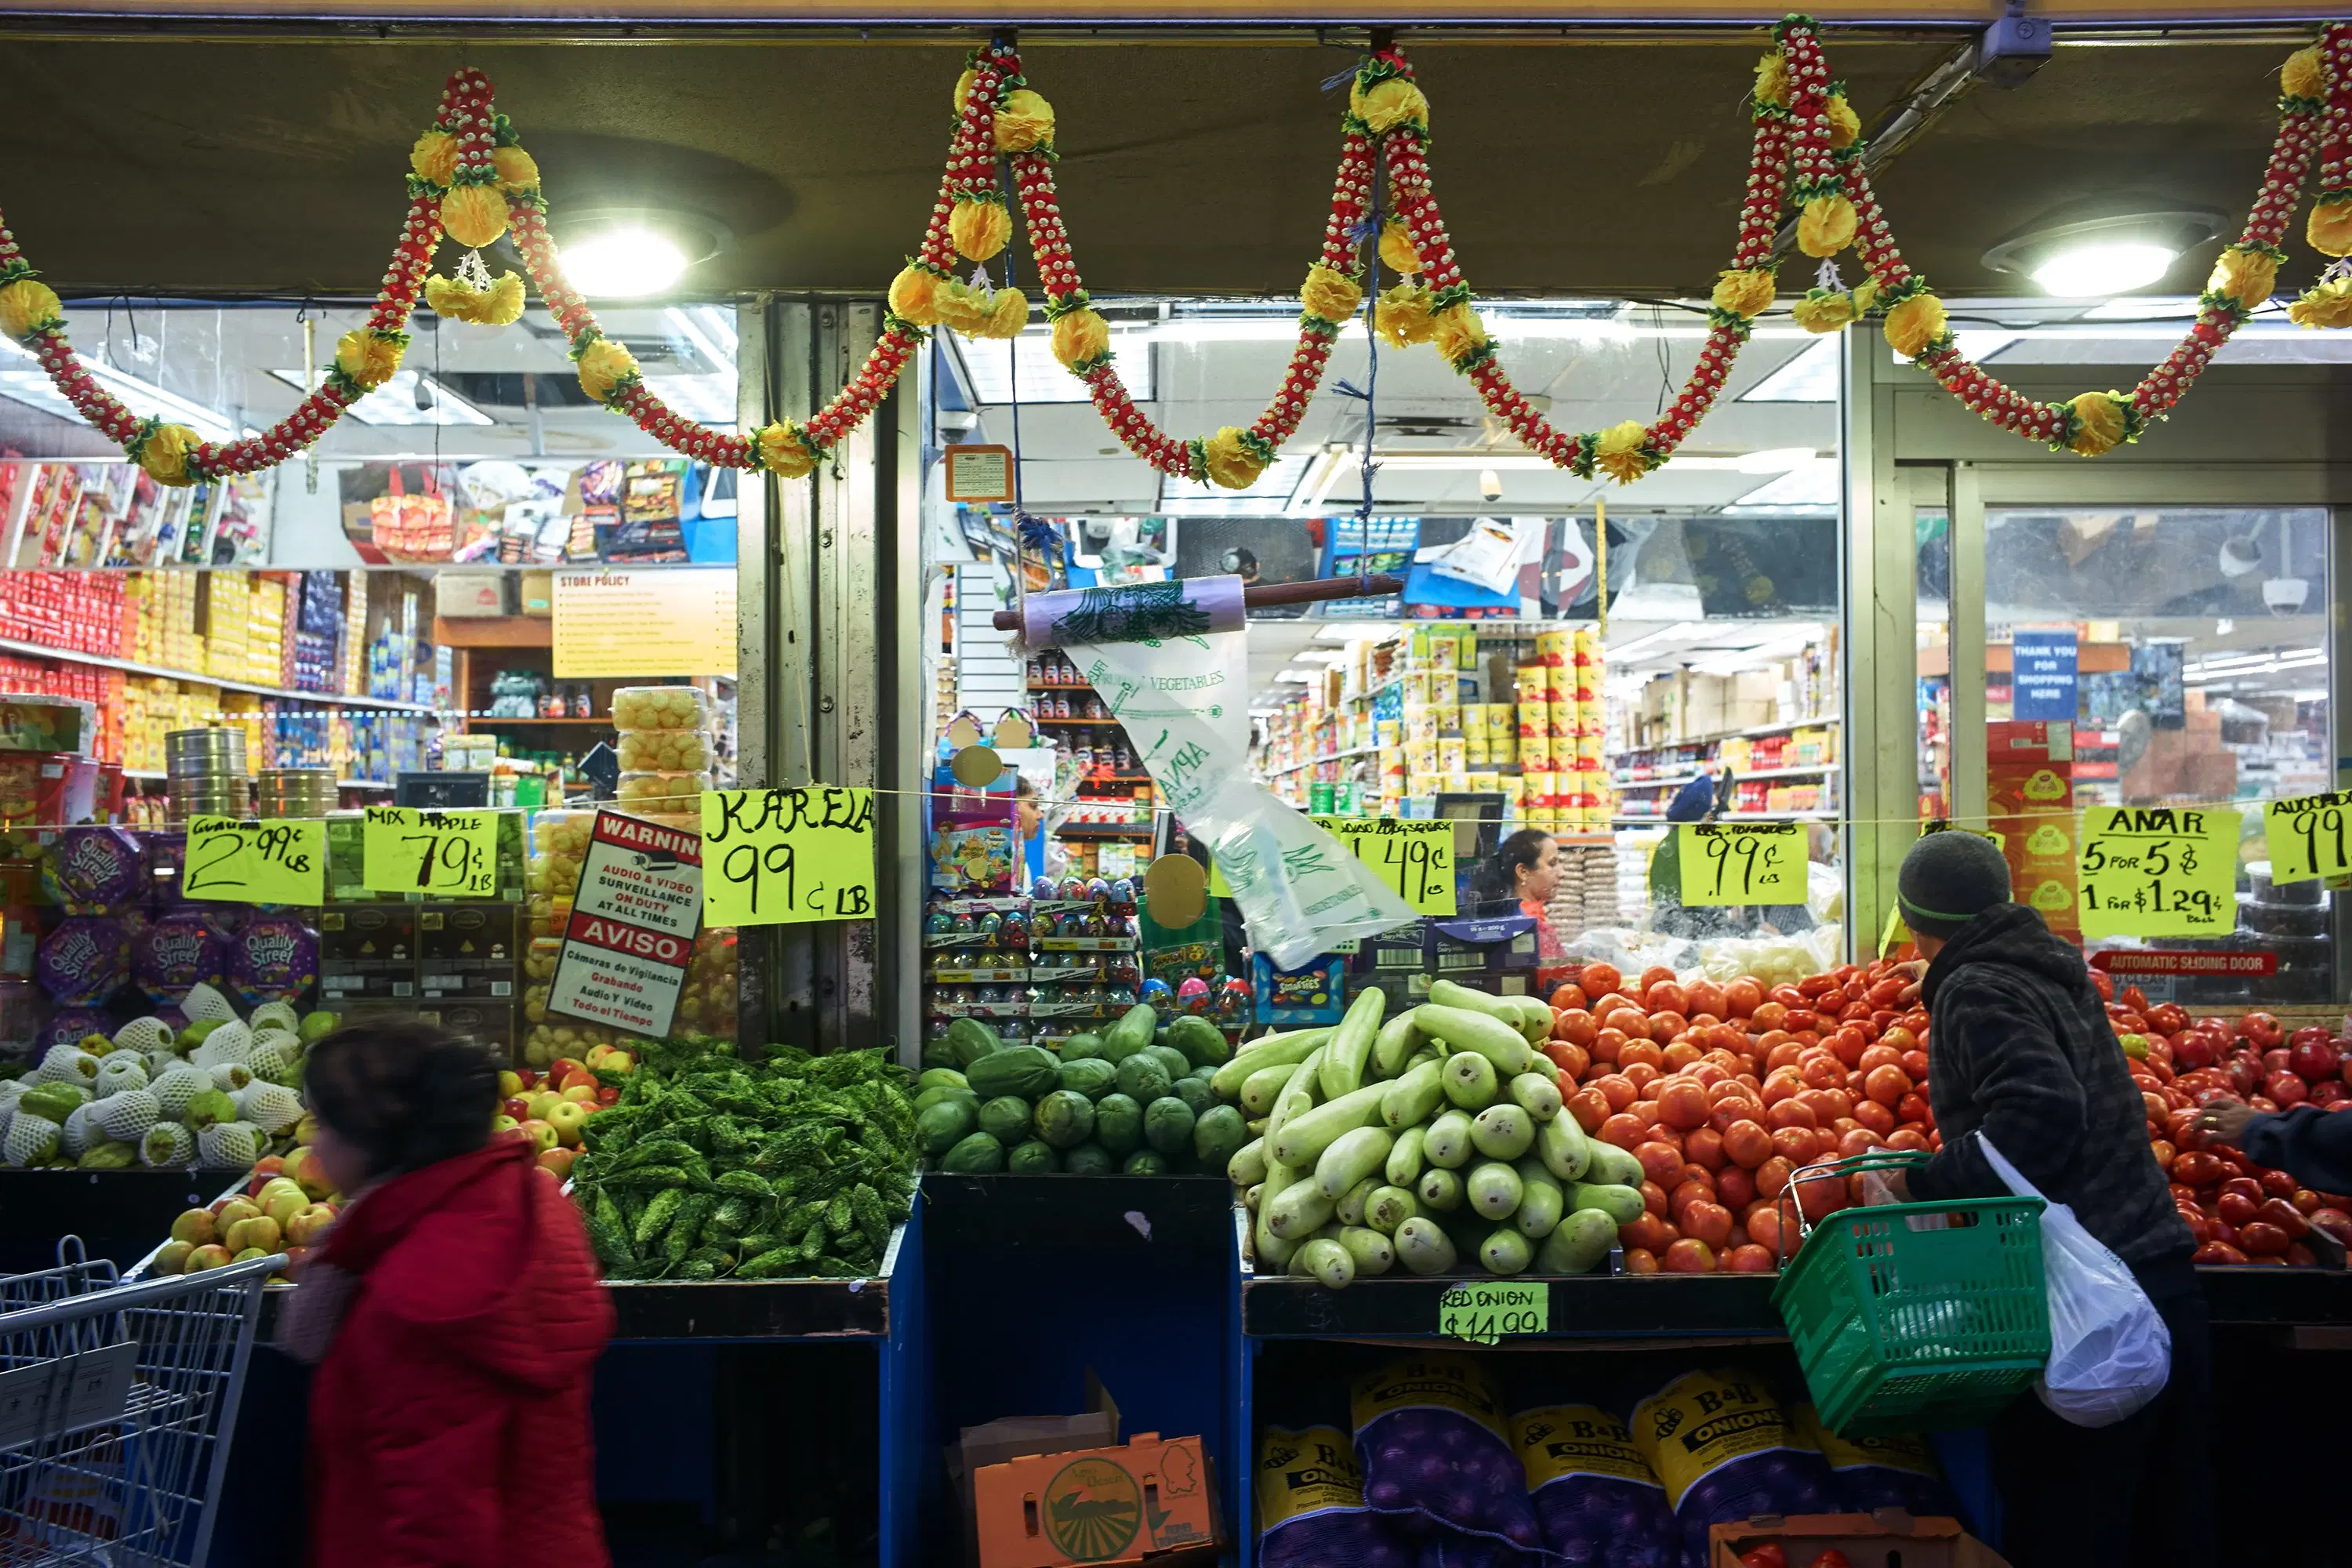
(242,711)
(1588,686)
(264,637)
(354,681)
(1811,748)
(227,605)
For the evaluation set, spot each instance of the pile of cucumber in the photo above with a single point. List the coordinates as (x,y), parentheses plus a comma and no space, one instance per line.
(1430,1137)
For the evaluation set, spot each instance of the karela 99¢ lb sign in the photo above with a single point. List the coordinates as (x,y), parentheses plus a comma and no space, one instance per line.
(2159,871)
(1742,862)
(269,861)
(405,849)
(787,856)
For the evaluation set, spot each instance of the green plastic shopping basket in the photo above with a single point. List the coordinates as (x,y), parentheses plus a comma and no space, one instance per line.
(1909,1317)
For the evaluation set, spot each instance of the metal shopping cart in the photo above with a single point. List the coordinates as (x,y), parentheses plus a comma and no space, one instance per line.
(117,1403)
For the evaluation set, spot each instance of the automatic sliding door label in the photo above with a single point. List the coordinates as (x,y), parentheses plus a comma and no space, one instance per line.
(271,861)
(1415,858)
(2159,871)
(787,857)
(453,854)
(1727,863)
(630,625)
(631,934)
(2307,837)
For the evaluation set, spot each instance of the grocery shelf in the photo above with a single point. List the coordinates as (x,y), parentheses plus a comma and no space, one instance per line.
(518,718)
(1105,720)
(1327,757)
(1103,830)
(1773,729)
(1810,771)
(1660,819)
(758,1309)
(157,775)
(132,666)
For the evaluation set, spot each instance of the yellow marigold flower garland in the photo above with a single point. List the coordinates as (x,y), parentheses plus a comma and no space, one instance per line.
(474,216)
(1825,224)
(1458,333)
(1080,338)
(606,369)
(1914,323)
(2327,304)
(2100,422)
(2329,228)
(1232,462)
(369,358)
(1620,453)
(1397,251)
(979,227)
(2246,273)
(1743,292)
(1024,122)
(517,170)
(163,451)
(1330,294)
(26,306)
(784,450)
(914,294)
(1403,315)
(435,157)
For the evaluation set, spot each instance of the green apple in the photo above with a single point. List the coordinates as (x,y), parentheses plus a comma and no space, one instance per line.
(198,1227)
(566,1119)
(541,1133)
(203,1258)
(172,1258)
(258,1234)
(308,1227)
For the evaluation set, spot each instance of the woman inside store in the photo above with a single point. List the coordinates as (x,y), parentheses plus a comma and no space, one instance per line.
(454,1315)
(1525,871)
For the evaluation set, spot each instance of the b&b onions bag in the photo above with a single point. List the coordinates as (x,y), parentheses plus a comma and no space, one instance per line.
(1595,1496)
(1871,1473)
(1724,1448)
(1430,1436)
(1310,1505)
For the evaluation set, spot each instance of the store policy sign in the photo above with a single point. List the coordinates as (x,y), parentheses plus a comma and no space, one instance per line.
(631,934)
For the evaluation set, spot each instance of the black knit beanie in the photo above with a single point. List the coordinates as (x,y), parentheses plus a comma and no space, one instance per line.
(1949,879)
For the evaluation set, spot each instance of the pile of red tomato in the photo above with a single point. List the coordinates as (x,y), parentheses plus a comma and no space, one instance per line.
(1730,1094)
(1737,1099)
(2239,1211)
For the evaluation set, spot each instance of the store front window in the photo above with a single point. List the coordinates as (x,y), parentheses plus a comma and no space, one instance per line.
(479,588)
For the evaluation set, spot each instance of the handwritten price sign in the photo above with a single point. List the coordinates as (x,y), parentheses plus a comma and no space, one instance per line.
(2306,836)
(2159,871)
(455,854)
(1742,863)
(786,856)
(1414,858)
(271,861)
(1483,1314)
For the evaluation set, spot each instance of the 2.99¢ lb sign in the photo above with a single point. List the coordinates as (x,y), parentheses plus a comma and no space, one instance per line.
(1725,863)
(787,857)
(269,861)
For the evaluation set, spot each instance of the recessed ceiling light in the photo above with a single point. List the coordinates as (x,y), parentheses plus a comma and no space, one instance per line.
(636,252)
(2103,255)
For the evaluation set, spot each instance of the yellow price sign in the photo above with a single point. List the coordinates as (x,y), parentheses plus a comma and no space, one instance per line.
(2307,837)
(786,856)
(1415,858)
(272,860)
(2159,871)
(407,849)
(1741,862)
(1483,1313)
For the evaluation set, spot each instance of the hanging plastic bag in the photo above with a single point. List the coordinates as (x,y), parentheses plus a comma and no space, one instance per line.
(2110,1353)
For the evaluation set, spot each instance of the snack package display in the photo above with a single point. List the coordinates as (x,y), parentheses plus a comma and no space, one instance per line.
(175,951)
(86,960)
(666,751)
(274,959)
(1310,1505)
(89,871)
(1724,1448)
(1597,1498)
(1429,1434)
(1872,1473)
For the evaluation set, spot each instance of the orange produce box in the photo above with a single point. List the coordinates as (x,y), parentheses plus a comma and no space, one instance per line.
(1867,1540)
(1145,1501)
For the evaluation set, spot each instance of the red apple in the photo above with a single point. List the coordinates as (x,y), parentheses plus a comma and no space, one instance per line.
(516,1106)
(558,1160)
(540,1132)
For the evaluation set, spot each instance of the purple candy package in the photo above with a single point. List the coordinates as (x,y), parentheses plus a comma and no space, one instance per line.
(1430,1438)
(1872,1473)
(1725,1448)
(85,961)
(274,959)
(89,871)
(1310,1505)
(71,1026)
(177,951)
(1595,1496)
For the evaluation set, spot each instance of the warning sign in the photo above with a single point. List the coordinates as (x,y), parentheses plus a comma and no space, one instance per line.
(631,934)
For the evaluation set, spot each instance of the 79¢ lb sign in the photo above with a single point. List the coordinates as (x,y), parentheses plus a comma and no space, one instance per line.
(787,857)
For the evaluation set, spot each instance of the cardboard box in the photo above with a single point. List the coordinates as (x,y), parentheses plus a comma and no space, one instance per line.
(461,595)
(367,951)
(538,593)
(1042,1492)
(1868,1539)
(467,950)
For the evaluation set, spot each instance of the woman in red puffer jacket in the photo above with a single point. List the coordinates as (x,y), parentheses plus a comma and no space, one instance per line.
(454,1313)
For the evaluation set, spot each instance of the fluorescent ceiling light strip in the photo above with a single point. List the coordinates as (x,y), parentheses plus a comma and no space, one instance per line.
(1675,633)
(695,333)
(145,399)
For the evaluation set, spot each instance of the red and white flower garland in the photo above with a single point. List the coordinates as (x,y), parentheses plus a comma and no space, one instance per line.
(473,182)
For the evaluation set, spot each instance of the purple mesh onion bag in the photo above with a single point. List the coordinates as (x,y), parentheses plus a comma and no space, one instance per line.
(1595,1496)
(1725,1449)
(1310,1505)
(1428,1435)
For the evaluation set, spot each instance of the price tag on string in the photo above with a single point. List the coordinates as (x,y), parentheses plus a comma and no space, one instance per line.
(1742,863)
(405,850)
(274,860)
(786,856)
(1415,858)
(2159,871)
(2309,836)
(1484,1313)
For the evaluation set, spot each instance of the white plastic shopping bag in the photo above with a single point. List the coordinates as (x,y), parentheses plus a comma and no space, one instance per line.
(2110,1353)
